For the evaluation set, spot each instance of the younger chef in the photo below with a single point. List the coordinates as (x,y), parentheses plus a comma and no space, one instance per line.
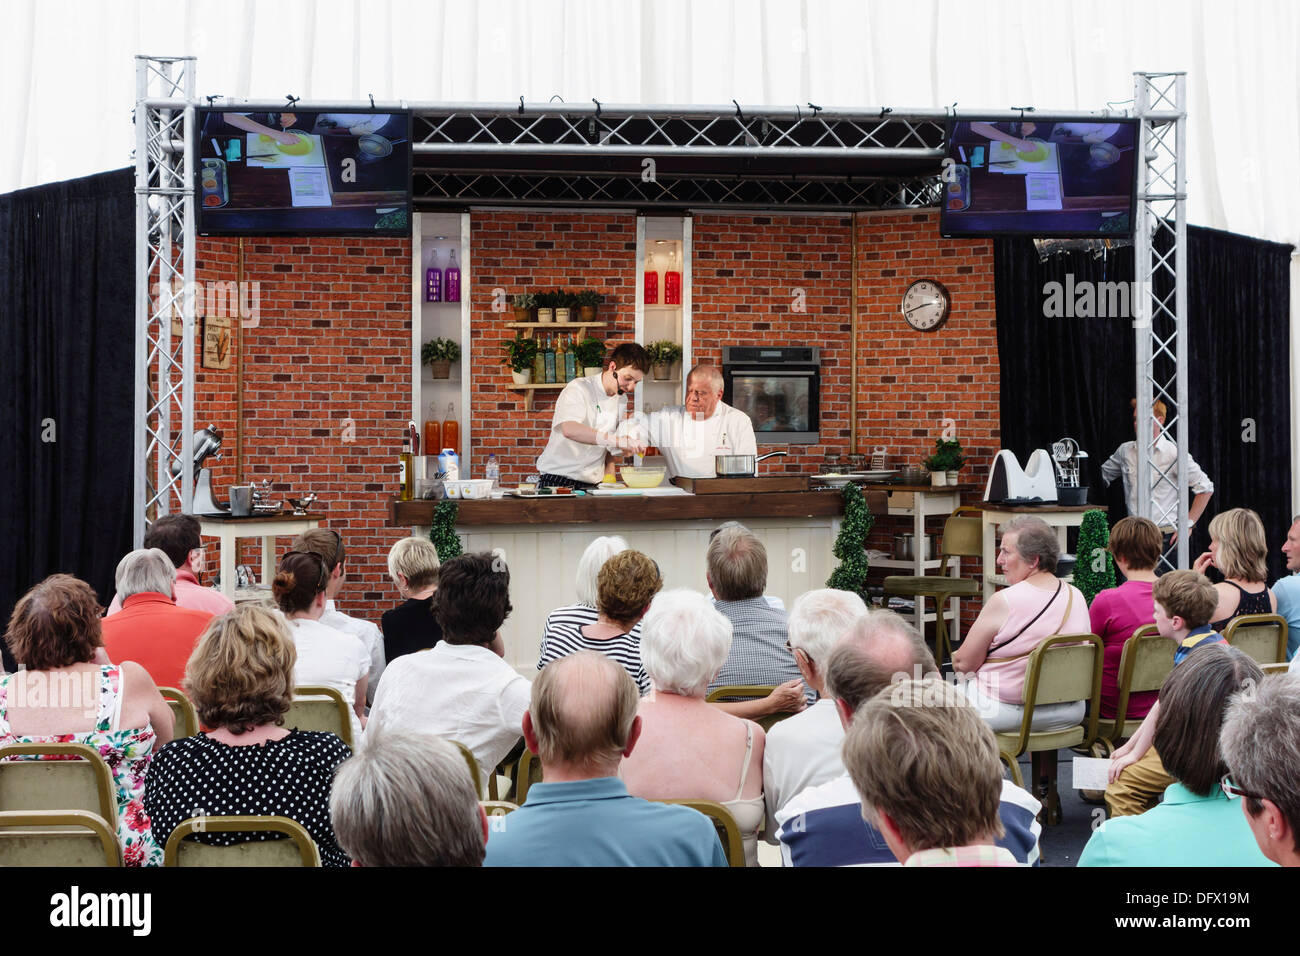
(691,436)
(588,425)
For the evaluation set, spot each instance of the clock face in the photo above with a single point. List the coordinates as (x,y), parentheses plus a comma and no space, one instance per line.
(925,305)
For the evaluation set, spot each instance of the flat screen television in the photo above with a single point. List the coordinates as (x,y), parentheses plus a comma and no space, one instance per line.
(303,172)
(1040,177)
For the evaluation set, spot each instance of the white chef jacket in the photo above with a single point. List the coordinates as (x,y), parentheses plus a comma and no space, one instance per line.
(584,401)
(690,446)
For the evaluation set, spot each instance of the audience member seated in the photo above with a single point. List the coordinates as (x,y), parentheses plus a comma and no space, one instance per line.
(328,543)
(804,750)
(823,826)
(737,575)
(1116,613)
(150,629)
(411,626)
(1260,744)
(1037,605)
(689,750)
(241,680)
(582,719)
(926,767)
(587,586)
(325,656)
(63,695)
(1286,589)
(771,599)
(407,799)
(1196,824)
(625,586)
(178,537)
(1239,551)
(462,689)
(1183,603)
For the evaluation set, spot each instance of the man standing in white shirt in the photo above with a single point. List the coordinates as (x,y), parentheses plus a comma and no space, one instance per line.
(691,436)
(1164,492)
(586,428)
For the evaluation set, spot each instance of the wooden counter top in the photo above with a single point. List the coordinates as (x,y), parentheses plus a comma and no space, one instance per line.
(586,509)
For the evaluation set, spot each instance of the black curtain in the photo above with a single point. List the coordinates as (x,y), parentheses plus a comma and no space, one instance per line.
(67,373)
(1074,375)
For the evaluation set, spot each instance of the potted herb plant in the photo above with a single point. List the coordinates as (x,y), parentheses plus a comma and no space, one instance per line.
(936,464)
(662,356)
(520,353)
(587,300)
(523,304)
(438,354)
(564,302)
(545,306)
(949,449)
(590,352)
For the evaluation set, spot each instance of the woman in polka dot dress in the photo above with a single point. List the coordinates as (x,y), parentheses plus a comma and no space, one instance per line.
(240,679)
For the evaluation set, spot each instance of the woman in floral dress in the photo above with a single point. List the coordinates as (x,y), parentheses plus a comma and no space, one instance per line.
(66,695)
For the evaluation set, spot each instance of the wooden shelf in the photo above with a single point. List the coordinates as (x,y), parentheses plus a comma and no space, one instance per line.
(528,391)
(556,325)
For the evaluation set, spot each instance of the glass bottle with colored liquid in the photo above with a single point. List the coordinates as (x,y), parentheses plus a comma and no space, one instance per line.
(433,281)
(451,279)
(432,432)
(451,429)
(672,282)
(651,296)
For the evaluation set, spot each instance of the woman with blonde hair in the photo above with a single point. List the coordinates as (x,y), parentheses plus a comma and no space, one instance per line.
(1239,550)
(240,679)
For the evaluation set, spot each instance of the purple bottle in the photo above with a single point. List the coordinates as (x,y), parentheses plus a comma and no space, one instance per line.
(451,279)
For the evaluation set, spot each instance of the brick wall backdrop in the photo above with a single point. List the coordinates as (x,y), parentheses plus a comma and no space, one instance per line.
(331,343)
(744,273)
(534,252)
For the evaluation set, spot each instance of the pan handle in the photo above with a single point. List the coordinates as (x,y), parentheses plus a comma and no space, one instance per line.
(770,454)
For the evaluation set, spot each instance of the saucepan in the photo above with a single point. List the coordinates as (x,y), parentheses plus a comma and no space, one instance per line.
(739,466)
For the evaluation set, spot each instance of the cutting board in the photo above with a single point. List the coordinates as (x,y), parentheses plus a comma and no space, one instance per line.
(742,486)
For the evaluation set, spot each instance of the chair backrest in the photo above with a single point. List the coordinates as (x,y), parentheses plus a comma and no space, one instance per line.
(1262,636)
(1144,664)
(1064,669)
(185,717)
(78,780)
(320,708)
(298,850)
(57,838)
(733,845)
(528,771)
(1279,668)
(962,537)
(748,692)
(473,765)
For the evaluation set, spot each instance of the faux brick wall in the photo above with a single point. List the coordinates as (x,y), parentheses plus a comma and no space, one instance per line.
(533,252)
(745,272)
(331,342)
(333,338)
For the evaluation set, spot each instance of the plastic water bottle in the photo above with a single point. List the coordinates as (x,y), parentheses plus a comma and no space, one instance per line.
(492,471)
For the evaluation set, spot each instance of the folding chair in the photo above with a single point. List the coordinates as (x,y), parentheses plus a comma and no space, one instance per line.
(76,779)
(1144,664)
(183,713)
(1262,636)
(733,844)
(748,692)
(298,850)
(57,838)
(321,708)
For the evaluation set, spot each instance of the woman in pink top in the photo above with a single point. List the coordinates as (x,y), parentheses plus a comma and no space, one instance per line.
(1116,613)
(1036,606)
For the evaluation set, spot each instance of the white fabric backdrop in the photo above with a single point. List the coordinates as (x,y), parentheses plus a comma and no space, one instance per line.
(67,76)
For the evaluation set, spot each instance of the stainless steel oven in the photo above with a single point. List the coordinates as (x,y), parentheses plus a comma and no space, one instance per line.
(778,388)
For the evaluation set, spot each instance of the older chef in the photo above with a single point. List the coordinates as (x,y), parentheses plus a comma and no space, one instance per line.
(691,436)
(588,425)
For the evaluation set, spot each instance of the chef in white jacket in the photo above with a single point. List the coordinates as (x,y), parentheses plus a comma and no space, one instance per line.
(691,436)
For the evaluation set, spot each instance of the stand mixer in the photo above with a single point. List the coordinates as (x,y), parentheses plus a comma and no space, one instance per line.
(207,444)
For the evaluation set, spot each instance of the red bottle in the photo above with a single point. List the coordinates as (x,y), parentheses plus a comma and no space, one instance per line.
(672,282)
(651,282)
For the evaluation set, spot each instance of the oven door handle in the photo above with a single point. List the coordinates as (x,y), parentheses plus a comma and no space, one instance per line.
(772,373)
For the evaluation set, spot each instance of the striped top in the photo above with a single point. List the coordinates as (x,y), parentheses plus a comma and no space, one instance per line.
(563,636)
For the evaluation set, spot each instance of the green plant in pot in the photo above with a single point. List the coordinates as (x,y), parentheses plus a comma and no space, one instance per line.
(545,306)
(523,303)
(590,354)
(520,353)
(662,356)
(948,450)
(438,354)
(586,301)
(564,305)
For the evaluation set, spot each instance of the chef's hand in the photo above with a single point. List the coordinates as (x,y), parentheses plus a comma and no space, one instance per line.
(631,444)
(788,698)
(1204,561)
(285,137)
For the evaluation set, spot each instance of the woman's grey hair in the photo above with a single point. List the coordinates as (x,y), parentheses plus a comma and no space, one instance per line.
(145,569)
(819,619)
(589,565)
(1035,539)
(407,799)
(1260,743)
(684,641)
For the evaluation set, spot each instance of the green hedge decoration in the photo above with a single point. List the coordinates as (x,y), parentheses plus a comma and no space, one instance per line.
(1094,571)
(851,545)
(443,531)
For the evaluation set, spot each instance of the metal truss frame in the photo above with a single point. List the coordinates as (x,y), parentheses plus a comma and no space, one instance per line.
(164,289)
(1160,325)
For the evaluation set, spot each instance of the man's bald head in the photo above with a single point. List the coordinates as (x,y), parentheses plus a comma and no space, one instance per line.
(878,646)
(582,710)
